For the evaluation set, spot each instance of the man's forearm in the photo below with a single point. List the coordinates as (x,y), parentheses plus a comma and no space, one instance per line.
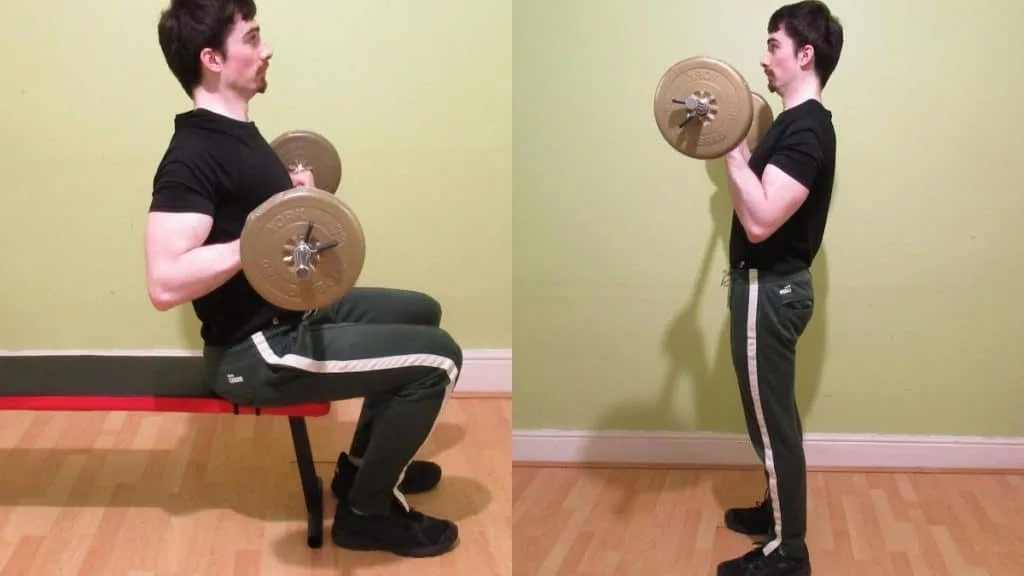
(198,272)
(748,196)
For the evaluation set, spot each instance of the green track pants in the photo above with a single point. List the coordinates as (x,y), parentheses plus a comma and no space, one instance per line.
(769,312)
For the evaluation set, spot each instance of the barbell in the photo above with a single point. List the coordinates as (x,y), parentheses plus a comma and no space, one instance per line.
(704,107)
(304,248)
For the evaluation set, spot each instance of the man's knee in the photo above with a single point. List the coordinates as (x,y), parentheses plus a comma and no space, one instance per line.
(424,309)
(442,356)
(447,346)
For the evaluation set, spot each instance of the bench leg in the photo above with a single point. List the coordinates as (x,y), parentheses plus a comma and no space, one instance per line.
(312,485)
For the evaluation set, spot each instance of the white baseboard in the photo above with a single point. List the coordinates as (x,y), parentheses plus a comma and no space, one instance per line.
(847,451)
(485,372)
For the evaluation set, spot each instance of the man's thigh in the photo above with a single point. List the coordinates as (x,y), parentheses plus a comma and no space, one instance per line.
(327,362)
(375,305)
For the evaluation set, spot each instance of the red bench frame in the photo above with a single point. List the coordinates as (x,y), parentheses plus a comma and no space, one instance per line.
(312,484)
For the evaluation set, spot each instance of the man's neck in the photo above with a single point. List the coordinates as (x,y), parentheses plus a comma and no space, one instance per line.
(800,93)
(223,104)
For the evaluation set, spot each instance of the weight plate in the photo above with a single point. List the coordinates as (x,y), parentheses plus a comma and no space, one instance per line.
(280,224)
(714,85)
(763,118)
(307,149)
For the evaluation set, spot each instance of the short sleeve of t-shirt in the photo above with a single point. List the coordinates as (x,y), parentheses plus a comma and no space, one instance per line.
(799,154)
(184,182)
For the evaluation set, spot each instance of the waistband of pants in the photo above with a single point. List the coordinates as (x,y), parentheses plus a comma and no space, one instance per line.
(746,274)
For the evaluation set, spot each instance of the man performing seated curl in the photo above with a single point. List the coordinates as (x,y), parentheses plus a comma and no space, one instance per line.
(382,345)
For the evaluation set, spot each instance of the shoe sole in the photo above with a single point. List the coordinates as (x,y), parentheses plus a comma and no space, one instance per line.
(357,544)
(804,572)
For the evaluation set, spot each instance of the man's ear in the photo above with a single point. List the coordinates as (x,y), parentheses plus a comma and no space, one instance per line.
(805,55)
(211,59)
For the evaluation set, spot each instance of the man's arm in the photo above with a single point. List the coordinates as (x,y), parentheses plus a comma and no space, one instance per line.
(179,268)
(764,205)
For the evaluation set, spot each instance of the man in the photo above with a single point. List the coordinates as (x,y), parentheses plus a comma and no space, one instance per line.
(781,195)
(382,345)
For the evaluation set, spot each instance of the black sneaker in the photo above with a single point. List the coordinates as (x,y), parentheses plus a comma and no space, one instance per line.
(755,563)
(756,521)
(402,532)
(420,476)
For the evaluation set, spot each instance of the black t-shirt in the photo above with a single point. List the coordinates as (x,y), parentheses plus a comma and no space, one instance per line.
(802,143)
(223,168)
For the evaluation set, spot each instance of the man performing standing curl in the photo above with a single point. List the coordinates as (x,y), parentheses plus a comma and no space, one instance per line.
(781,195)
(384,346)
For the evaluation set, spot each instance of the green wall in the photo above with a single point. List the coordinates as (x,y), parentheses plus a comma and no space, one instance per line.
(445,112)
(621,318)
(412,99)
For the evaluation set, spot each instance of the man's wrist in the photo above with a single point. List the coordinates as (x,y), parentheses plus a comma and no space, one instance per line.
(236,254)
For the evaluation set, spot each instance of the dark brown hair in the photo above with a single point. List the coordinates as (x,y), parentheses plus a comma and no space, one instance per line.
(187,27)
(810,22)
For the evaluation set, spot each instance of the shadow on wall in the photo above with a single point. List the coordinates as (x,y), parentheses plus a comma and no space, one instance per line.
(716,397)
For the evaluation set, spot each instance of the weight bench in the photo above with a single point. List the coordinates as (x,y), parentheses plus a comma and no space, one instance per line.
(147,384)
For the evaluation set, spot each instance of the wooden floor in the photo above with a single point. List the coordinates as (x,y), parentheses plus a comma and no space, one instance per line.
(669,522)
(152,494)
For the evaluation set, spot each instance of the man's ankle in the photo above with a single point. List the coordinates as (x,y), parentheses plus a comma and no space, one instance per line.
(794,548)
(376,502)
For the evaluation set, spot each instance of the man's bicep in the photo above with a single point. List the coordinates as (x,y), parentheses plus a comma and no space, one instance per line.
(181,210)
(169,235)
(784,192)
